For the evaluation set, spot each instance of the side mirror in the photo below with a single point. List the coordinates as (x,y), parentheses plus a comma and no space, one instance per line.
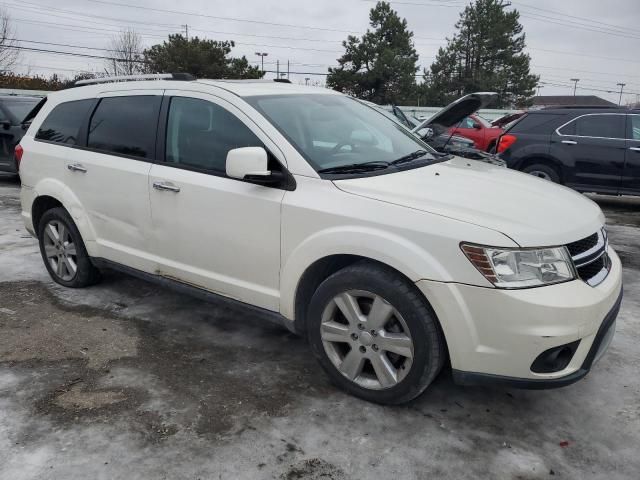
(477,126)
(247,162)
(6,124)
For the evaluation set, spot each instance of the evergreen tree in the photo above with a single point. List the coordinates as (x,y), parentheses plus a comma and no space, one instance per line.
(380,66)
(201,57)
(485,54)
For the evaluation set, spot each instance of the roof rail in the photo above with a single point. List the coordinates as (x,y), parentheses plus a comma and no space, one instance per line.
(131,78)
(578,107)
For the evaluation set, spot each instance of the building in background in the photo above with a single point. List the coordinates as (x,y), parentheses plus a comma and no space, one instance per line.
(542,101)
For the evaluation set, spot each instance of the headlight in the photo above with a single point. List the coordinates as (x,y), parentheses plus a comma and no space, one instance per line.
(521,268)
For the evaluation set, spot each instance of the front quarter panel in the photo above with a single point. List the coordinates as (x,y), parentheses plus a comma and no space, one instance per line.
(319,220)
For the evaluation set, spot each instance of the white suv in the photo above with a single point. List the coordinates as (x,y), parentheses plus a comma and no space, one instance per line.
(318,211)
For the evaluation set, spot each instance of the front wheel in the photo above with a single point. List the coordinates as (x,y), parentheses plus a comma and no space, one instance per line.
(374,334)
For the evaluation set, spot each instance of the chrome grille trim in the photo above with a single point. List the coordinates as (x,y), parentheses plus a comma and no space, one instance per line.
(597,253)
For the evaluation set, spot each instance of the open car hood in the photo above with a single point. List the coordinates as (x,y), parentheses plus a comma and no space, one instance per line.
(459,109)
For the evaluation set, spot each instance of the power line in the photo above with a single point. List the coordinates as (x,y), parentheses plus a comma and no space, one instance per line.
(564,15)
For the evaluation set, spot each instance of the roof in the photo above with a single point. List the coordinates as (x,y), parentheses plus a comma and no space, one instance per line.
(241,88)
(562,100)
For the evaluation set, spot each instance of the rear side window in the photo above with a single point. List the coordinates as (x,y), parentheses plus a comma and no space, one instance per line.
(538,123)
(125,125)
(64,122)
(201,133)
(605,126)
(635,127)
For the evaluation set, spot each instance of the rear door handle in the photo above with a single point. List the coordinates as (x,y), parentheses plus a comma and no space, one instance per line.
(167,186)
(635,149)
(77,167)
(569,142)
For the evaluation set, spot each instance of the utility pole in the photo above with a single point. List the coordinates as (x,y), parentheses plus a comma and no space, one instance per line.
(575,84)
(277,68)
(621,85)
(287,69)
(539,87)
(186,31)
(262,55)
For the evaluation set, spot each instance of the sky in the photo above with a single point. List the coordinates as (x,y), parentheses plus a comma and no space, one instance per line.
(594,41)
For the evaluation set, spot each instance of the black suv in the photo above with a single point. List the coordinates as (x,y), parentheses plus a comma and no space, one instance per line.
(13,112)
(588,149)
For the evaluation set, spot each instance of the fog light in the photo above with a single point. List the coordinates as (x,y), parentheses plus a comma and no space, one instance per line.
(555,359)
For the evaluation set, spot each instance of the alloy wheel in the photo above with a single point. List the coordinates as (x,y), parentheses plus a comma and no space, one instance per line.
(366,339)
(60,250)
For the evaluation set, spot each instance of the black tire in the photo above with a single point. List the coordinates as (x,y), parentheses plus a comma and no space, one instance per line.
(429,349)
(86,273)
(543,171)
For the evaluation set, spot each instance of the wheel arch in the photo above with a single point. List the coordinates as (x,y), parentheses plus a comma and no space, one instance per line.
(50,193)
(543,160)
(326,252)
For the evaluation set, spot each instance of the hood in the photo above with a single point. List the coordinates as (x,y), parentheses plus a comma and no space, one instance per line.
(461,108)
(531,211)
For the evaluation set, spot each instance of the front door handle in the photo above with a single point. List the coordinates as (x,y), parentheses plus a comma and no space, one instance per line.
(569,142)
(167,186)
(77,167)
(635,149)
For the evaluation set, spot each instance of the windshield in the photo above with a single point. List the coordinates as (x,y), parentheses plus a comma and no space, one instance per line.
(334,130)
(20,107)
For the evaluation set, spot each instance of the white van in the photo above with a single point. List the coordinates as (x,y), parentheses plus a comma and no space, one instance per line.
(320,212)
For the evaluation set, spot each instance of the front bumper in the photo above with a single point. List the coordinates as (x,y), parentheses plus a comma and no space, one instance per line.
(495,335)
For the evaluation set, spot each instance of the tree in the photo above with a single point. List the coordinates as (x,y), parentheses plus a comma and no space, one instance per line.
(486,54)
(200,57)
(380,66)
(126,52)
(8,53)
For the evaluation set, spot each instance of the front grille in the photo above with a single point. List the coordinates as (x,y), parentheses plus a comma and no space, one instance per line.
(583,245)
(590,257)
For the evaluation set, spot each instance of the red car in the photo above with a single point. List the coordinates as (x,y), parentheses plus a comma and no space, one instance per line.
(476,128)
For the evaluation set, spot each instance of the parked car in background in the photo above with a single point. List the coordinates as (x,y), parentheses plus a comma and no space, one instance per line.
(437,130)
(481,131)
(13,110)
(441,142)
(589,149)
(316,211)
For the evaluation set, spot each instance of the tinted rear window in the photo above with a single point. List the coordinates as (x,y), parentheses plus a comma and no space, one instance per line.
(19,108)
(63,123)
(125,125)
(537,123)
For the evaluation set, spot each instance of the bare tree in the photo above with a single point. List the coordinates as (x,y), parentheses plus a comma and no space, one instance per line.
(126,54)
(8,52)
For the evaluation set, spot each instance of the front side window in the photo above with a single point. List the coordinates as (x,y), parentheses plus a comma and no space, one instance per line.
(64,122)
(333,131)
(604,126)
(201,133)
(125,125)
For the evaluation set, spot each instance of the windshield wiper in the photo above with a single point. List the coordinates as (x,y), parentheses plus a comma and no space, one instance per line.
(357,167)
(410,157)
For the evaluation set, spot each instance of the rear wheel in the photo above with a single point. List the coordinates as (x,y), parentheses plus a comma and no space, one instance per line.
(374,334)
(63,250)
(543,171)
